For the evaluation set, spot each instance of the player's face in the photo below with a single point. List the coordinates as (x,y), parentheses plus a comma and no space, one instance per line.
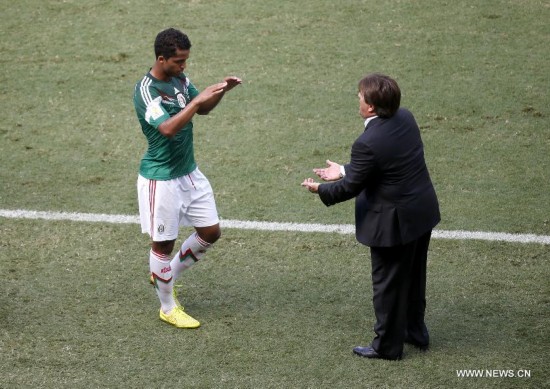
(175,65)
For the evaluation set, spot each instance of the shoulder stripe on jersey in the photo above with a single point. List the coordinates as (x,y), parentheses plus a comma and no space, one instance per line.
(144,90)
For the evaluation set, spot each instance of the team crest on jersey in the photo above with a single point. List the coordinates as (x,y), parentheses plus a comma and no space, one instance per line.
(180,96)
(181,100)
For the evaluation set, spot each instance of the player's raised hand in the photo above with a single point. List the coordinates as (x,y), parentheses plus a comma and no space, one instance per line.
(232,82)
(208,93)
(329,173)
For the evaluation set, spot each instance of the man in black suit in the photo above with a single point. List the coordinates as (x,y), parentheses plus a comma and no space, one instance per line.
(396,209)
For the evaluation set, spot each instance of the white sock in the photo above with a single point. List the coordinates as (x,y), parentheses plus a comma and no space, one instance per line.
(159,264)
(192,250)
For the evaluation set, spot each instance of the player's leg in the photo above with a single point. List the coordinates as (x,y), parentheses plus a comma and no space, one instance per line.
(170,311)
(194,248)
(159,218)
(202,214)
(161,273)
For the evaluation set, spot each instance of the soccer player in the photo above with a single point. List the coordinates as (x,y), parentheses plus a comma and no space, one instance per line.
(172,191)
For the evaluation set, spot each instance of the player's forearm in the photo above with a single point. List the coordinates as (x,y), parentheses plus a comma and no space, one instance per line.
(210,104)
(172,126)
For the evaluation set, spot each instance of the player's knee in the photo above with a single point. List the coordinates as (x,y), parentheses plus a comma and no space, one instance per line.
(215,235)
(210,234)
(163,247)
(219,234)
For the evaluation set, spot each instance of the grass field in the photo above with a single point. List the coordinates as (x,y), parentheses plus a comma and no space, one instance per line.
(279,309)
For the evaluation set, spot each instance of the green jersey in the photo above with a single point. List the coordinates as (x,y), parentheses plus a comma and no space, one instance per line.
(156,101)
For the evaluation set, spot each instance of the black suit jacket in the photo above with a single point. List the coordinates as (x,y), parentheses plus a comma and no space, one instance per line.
(395,199)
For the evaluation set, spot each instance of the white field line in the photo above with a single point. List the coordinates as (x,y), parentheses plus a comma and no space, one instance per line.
(273,226)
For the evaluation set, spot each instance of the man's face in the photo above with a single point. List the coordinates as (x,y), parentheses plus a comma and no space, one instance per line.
(366,110)
(175,65)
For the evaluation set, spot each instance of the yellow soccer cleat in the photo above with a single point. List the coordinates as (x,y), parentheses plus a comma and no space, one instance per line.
(179,319)
(174,293)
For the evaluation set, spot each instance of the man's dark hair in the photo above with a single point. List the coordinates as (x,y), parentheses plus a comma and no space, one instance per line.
(168,41)
(382,92)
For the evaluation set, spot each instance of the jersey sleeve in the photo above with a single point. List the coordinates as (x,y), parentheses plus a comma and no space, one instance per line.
(147,102)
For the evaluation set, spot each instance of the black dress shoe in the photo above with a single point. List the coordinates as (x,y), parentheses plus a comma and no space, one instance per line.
(369,352)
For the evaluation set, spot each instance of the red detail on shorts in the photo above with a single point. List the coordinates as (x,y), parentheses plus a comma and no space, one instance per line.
(191,179)
(152,190)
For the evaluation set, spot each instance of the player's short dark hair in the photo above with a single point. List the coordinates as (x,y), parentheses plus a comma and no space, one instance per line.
(382,92)
(168,41)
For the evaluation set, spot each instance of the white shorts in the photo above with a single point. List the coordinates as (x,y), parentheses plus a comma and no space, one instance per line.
(164,206)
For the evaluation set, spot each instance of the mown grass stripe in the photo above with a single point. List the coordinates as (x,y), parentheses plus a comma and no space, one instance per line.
(274,226)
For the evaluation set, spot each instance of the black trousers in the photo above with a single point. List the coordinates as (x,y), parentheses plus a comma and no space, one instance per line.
(399,295)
